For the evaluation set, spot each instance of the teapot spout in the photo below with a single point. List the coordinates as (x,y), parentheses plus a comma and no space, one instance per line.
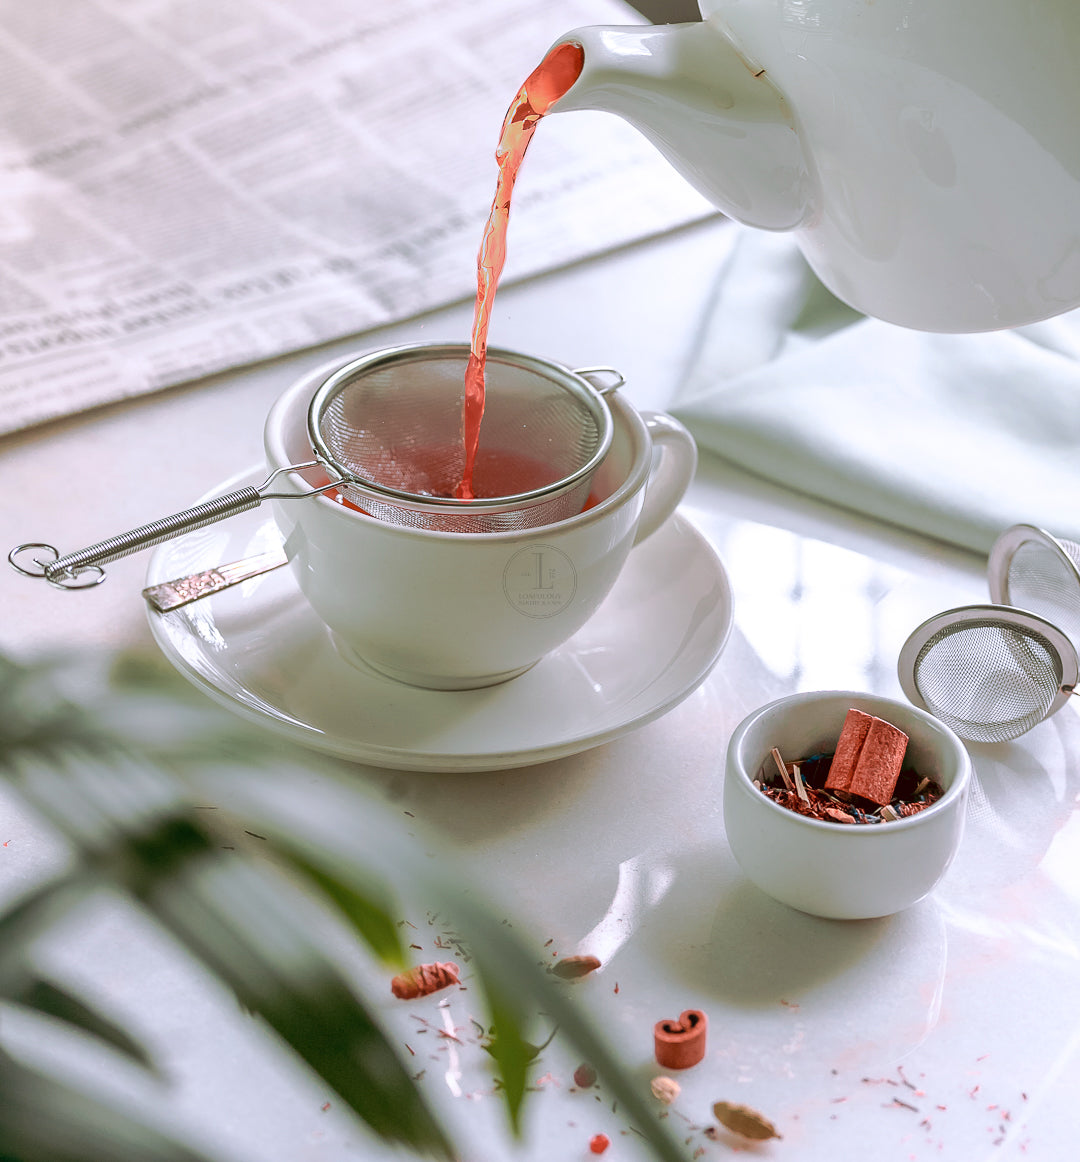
(713,113)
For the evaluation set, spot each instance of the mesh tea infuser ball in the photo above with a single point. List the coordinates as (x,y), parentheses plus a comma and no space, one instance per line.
(989,672)
(1031,569)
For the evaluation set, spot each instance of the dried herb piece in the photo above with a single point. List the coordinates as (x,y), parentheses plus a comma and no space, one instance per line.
(574,967)
(869,755)
(805,787)
(781,767)
(424,979)
(680,1044)
(584,1076)
(665,1089)
(744,1121)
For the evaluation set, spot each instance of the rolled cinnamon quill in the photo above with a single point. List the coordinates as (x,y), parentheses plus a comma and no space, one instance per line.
(680,1044)
(868,758)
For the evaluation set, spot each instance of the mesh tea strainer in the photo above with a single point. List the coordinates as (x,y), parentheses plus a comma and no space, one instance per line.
(390,424)
(388,428)
(989,672)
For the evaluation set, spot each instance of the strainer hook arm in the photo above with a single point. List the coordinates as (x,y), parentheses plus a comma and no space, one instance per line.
(83,569)
(604,379)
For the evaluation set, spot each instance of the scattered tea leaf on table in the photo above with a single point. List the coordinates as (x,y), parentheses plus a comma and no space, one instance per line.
(744,1121)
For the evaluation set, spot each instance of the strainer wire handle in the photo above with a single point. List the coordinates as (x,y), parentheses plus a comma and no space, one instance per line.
(82,569)
(614,378)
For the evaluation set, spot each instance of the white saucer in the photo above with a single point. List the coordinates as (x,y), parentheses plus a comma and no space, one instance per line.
(259,649)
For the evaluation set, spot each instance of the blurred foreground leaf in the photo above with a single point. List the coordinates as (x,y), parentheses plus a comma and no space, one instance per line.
(124,802)
(133,826)
(43,1120)
(338,832)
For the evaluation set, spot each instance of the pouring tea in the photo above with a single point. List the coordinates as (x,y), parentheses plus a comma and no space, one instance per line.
(925,157)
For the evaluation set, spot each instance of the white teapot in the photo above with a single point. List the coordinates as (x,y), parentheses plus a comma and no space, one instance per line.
(925,153)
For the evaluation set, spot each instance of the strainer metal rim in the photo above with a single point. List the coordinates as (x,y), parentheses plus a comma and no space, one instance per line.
(1008,545)
(409,352)
(1007,615)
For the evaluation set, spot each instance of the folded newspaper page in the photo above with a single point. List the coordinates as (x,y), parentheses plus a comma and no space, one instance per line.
(191,185)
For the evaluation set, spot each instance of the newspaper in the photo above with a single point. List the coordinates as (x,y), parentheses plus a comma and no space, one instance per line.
(193,185)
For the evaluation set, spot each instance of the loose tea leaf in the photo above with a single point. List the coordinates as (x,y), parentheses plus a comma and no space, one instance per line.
(744,1121)
(805,787)
(573,967)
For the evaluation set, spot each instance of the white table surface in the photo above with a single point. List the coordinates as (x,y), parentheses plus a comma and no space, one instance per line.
(947,1032)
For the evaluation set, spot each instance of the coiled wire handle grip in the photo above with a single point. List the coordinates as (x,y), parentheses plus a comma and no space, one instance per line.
(83,569)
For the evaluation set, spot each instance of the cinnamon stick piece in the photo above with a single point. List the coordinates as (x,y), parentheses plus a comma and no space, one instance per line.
(868,758)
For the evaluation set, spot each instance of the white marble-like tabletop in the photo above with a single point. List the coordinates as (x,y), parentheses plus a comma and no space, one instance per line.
(947,1032)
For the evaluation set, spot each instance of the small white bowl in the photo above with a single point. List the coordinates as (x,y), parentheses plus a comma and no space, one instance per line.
(844,871)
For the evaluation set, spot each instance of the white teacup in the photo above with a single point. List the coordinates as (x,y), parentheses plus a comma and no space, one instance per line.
(455,611)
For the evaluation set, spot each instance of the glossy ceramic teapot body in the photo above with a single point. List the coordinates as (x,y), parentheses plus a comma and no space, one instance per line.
(925,155)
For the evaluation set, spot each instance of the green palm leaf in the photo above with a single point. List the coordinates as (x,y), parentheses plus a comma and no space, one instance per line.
(129,820)
(240,918)
(51,1000)
(340,832)
(367,912)
(43,1120)
(29,918)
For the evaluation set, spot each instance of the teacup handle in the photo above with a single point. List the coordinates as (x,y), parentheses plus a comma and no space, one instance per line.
(673,470)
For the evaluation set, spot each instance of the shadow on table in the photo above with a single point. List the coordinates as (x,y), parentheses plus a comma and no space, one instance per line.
(1023,795)
(862,992)
(771,952)
(752,951)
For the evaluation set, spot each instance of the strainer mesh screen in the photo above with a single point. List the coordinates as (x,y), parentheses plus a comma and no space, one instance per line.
(988,681)
(1041,581)
(398,425)
(555,508)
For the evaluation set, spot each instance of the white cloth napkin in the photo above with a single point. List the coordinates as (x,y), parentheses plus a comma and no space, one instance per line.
(955,436)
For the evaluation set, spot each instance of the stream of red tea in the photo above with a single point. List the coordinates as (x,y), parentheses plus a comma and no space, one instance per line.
(550,80)
(499,472)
